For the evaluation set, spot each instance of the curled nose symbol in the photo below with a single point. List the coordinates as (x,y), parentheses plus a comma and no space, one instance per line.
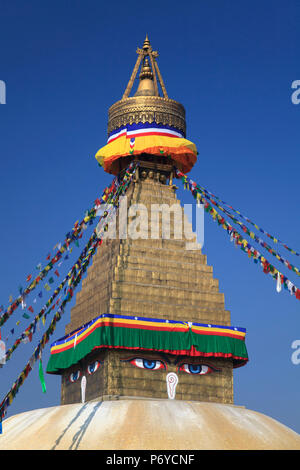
(83,388)
(172,381)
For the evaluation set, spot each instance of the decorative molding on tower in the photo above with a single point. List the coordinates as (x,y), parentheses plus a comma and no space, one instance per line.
(146,109)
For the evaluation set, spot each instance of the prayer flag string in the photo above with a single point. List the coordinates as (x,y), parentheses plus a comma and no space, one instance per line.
(30,330)
(272,237)
(74,281)
(70,238)
(251,234)
(45,338)
(235,236)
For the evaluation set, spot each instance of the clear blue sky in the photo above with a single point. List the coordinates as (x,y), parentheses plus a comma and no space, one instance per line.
(231,64)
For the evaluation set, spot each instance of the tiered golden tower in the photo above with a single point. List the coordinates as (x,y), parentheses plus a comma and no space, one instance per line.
(153,277)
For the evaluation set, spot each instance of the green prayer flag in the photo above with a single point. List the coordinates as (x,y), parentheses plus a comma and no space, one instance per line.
(25,315)
(41,375)
(51,280)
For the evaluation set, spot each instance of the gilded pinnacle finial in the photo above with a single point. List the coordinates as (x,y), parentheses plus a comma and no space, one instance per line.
(146,71)
(146,44)
(146,86)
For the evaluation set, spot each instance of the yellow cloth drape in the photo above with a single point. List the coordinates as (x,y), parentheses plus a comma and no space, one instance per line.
(182,151)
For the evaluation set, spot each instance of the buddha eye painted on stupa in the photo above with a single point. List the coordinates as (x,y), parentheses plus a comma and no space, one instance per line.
(172,363)
(165,364)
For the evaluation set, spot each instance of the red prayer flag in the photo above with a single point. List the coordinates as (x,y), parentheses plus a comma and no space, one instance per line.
(266,267)
(57,273)
(30,309)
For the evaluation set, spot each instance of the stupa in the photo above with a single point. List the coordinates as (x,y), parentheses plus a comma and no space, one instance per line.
(149,309)
(148,356)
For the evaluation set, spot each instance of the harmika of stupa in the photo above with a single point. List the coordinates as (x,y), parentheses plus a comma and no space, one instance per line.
(149,353)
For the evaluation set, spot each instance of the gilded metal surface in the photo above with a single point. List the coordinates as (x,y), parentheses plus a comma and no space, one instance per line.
(146,71)
(133,75)
(150,109)
(154,74)
(146,105)
(161,80)
(146,88)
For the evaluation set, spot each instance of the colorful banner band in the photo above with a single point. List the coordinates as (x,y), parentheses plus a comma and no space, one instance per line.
(148,334)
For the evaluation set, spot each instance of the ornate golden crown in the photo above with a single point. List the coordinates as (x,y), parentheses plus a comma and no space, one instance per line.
(146,105)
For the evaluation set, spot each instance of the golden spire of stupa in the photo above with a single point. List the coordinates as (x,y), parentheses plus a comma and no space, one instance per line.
(146,71)
(146,42)
(146,85)
(145,54)
(146,104)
